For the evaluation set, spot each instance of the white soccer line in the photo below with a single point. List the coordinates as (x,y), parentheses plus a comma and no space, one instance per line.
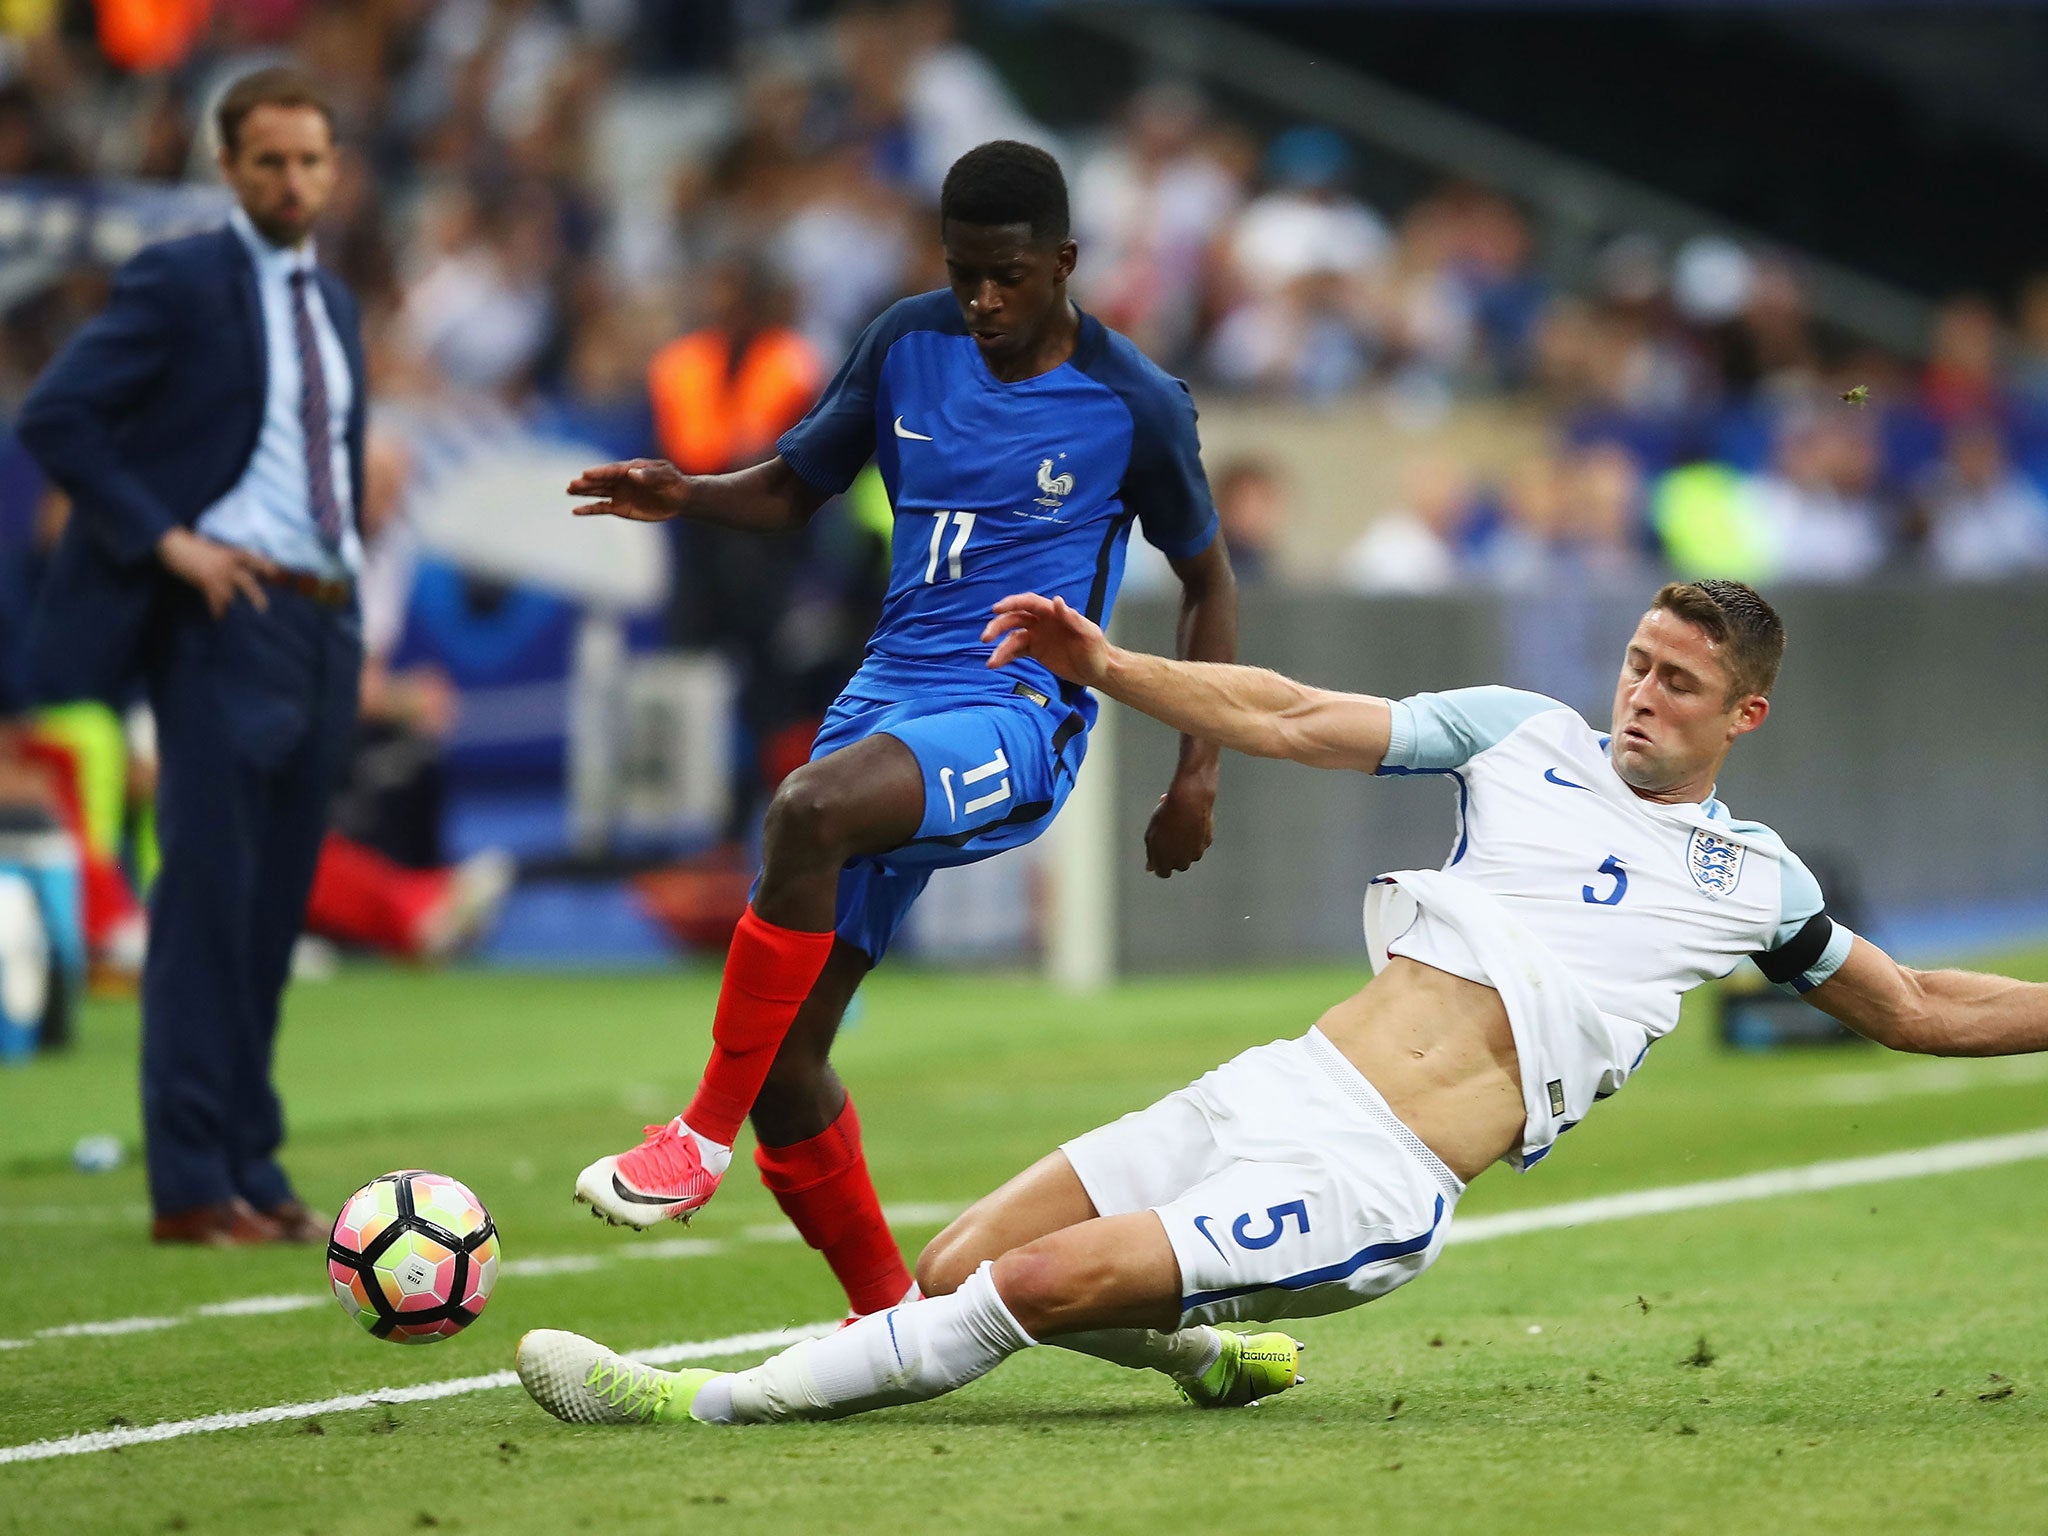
(557,1264)
(1919,1079)
(538,1266)
(684,1247)
(112,1328)
(260,1306)
(69,1215)
(425,1392)
(1948,1157)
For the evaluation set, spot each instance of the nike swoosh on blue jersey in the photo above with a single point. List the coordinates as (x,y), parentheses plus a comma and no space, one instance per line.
(1202,1226)
(903,431)
(1551,775)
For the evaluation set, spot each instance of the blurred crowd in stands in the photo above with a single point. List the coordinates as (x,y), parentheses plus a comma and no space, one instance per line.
(548,192)
(652,227)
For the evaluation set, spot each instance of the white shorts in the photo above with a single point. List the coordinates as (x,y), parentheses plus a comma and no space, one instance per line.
(1287,1186)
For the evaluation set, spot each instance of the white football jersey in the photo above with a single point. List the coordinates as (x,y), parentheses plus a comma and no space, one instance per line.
(1637,902)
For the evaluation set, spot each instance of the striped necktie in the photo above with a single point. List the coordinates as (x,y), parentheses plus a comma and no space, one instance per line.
(313,418)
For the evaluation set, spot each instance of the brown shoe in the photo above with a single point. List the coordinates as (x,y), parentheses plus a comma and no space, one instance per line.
(297,1222)
(228,1224)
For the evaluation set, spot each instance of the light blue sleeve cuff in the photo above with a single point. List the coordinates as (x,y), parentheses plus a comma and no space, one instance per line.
(1400,738)
(1830,961)
(1441,732)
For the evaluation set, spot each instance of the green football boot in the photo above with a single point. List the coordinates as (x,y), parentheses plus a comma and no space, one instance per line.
(1251,1366)
(579,1381)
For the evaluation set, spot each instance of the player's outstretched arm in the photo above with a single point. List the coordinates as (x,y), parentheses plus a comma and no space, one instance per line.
(1184,822)
(770,495)
(1247,709)
(1934,1013)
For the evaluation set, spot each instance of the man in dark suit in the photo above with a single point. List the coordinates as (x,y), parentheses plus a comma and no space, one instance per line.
(208,427)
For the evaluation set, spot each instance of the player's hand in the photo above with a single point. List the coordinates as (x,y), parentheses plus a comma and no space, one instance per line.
(221,572)
(1182,827)
(1066,643)
(644,490)
(428,701)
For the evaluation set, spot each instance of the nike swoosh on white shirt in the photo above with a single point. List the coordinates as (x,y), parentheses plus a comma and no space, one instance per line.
(903,431)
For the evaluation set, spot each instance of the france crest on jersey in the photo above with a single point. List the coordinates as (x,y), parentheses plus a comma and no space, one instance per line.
(1000,488)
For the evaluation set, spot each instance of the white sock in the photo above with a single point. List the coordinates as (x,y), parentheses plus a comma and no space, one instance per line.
(717,1155)
(1186,1352)
(904,1355)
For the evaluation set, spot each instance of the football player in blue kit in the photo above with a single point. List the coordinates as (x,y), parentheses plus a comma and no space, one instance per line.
(1019,439)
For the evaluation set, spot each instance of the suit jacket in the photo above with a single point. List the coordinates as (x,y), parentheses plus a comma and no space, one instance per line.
(148,417)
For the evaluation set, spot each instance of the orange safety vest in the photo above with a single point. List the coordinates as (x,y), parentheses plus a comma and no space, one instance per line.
(712,417)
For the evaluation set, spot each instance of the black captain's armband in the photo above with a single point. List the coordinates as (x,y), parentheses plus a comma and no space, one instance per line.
(1798,954)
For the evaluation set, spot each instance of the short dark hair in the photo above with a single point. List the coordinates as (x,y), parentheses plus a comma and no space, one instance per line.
(279,86)
(1736,618)
(1005,182)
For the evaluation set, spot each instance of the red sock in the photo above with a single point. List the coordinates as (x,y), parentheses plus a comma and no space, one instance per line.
(823,1187)
(769,971)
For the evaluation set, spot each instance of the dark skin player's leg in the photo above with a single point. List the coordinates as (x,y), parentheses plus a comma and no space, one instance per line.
(863,799)
(802,1094)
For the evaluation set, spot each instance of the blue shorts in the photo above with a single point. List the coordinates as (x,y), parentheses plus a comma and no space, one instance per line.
(996,771)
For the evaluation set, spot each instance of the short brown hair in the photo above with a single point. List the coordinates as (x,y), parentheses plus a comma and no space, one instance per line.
(1735,617)
(279,86)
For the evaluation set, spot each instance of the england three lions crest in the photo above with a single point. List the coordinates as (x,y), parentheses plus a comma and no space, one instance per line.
(1714,862)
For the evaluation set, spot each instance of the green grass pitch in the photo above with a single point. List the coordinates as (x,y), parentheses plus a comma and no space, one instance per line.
(1872,1358)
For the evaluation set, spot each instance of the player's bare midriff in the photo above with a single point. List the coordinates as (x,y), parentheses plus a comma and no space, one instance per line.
(1439,1050)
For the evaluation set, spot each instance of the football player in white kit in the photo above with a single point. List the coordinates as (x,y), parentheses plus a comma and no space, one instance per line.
(1594,878)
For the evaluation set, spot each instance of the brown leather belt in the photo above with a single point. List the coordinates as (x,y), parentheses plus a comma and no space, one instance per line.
(328,592)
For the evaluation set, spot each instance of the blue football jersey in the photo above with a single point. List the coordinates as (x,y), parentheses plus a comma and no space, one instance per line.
(1000,488)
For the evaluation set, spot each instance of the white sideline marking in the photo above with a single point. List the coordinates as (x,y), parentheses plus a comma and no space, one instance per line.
(921,1214)
(557,1264)
(109,1328)
(1948,1157)
(909,1214)
(738,1344)
(261,1306)
(674,1248)
(69,1215)
(1923,1078)
(539,1266)
(425,1392)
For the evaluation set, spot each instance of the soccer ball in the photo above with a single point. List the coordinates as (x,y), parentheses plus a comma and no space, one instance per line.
(413,1256)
